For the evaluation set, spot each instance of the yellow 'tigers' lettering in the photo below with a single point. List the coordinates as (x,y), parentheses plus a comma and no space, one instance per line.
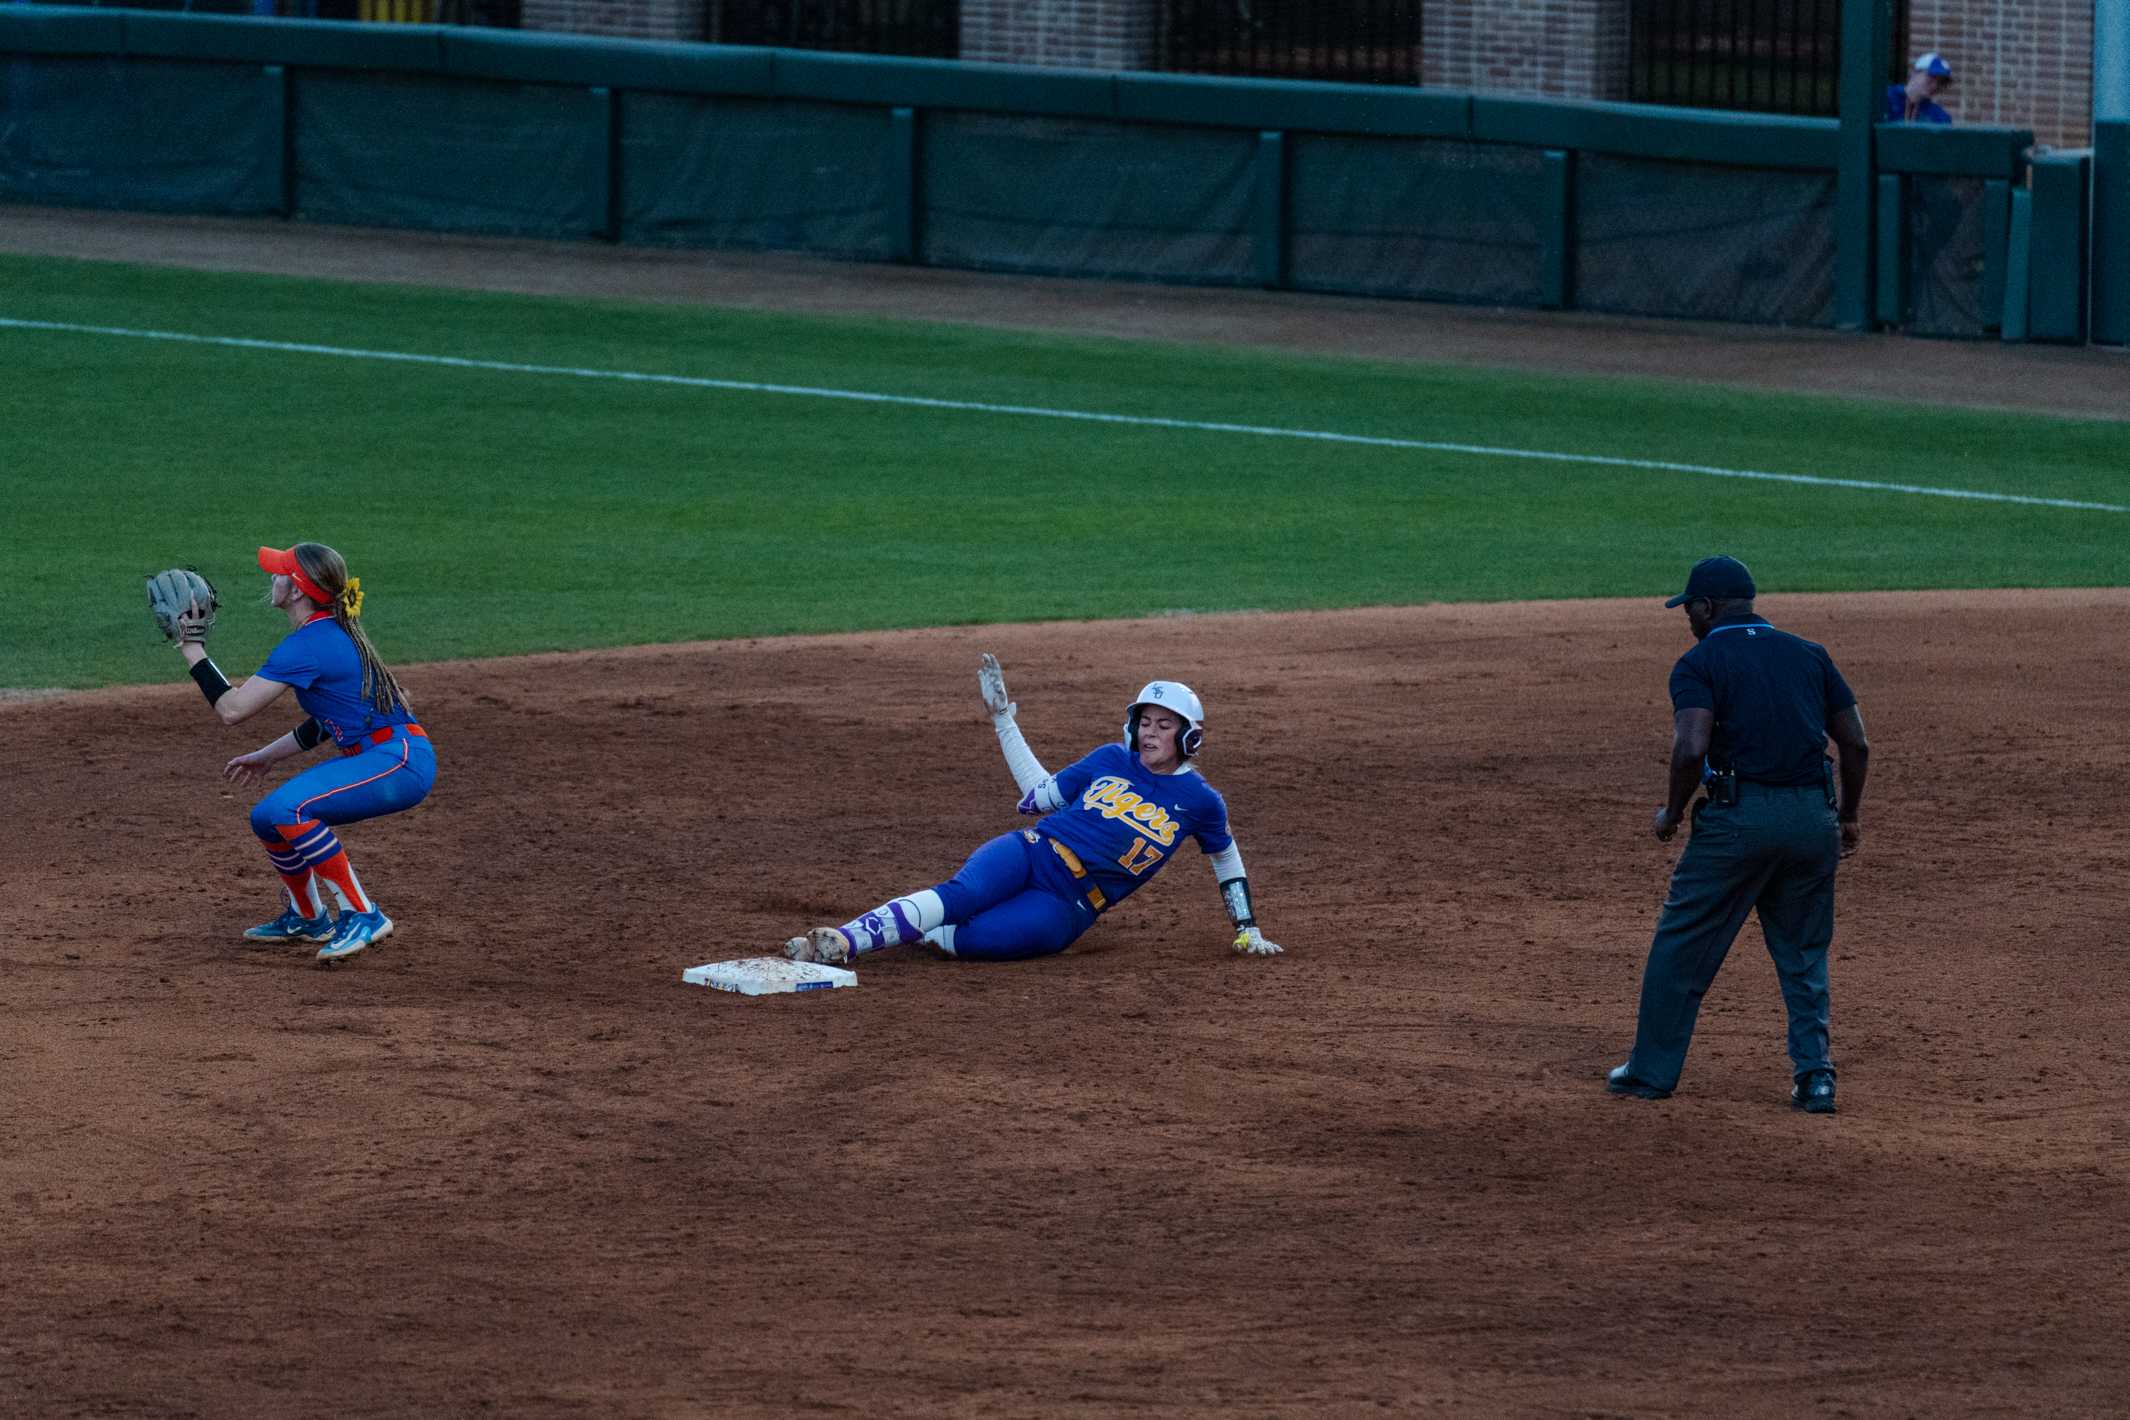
(1113,797)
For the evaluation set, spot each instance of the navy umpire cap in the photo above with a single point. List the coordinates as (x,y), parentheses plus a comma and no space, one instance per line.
(1718,579)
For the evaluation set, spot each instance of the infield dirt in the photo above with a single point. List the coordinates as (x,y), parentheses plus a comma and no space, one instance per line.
(507,1163)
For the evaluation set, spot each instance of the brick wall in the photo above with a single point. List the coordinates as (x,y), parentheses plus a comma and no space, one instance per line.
(1559,48)
(1076,34)
(630,19)
(2023,63)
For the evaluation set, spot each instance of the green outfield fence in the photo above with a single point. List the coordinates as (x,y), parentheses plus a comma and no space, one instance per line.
(1357,189)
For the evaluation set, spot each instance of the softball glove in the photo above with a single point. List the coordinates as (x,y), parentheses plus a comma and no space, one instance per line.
(183,604)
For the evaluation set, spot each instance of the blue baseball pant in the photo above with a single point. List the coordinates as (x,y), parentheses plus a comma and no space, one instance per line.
(383,779)
(1013,900)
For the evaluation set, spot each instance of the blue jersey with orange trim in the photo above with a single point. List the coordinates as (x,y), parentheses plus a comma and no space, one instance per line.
(319,661)
(1123,822)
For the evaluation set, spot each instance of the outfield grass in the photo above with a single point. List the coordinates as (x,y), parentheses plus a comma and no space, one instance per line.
(491,513)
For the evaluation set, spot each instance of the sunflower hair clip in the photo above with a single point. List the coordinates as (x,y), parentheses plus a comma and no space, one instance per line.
(352,597)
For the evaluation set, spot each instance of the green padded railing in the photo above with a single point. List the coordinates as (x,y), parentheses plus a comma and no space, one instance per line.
(871,119)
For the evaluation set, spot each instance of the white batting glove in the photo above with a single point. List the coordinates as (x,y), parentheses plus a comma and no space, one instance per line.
(992,682)
(1250,942)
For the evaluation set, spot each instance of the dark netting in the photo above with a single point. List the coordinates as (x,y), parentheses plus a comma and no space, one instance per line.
(1712,243)
(388,150)
(139,134)
(1081,197)
(1946,257)
(786,176)
(1415,217)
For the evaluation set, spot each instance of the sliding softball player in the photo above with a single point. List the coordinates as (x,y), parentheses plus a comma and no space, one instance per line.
(1108,823)
(386,763)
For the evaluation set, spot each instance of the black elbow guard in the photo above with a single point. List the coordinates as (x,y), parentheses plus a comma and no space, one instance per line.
(212,683)
(309,734)
(1235,892)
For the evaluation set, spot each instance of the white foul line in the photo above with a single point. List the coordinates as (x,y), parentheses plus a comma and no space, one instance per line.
(1143,421)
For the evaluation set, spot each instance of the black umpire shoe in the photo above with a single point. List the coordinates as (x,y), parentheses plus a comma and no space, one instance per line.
(1619,1082)
(1814,1094)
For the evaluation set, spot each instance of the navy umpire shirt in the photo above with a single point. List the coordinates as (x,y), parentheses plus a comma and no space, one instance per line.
(1773,693)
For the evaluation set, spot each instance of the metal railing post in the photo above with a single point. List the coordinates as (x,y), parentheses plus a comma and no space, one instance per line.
(1892,259)
(1864,40)
(1556,230)
(1268,211)
(905,201)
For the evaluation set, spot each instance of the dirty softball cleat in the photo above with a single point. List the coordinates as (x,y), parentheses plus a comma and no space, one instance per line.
(1814,1094)
(293,926)
(355,931)
(822,944)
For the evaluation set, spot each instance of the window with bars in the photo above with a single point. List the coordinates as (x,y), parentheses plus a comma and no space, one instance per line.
(1349,41)
(495,14)
(924,28)
(1764,56)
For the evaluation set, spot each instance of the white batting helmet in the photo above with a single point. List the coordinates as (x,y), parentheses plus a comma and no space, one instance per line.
(1179,700)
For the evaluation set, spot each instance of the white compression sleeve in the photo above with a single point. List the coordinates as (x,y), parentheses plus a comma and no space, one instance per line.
(1028,771)
(1234,887)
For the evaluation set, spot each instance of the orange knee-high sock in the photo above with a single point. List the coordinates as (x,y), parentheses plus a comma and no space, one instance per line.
(301,883)
(320,849)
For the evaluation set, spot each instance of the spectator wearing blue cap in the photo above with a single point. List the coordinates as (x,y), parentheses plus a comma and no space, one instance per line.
(1752,711)
(1912,102)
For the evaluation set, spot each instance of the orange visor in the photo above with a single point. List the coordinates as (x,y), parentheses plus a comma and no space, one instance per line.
(282,560)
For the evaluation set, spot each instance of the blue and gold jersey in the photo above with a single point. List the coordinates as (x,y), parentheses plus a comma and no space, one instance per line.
(1122,822)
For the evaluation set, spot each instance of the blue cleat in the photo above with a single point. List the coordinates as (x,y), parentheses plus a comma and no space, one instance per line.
(355,931)
(292,926)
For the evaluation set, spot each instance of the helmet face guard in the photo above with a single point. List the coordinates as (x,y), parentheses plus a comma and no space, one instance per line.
(1179,700)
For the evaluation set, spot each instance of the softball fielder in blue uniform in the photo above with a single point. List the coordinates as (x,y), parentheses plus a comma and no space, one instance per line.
(386,763)
(1109,822)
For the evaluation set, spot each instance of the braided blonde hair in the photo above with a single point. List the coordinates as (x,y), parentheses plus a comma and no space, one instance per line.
(329,570)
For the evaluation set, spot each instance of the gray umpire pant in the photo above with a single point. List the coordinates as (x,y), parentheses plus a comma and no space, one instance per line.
(1775,850)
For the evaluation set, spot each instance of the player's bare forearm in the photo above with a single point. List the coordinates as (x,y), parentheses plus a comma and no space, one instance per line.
(284,748)
(1692,729)
(1852,752)
(1683,779)
(232,705)
(251,768)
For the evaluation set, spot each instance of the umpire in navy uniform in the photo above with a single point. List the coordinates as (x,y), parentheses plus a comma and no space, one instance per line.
(1752,711)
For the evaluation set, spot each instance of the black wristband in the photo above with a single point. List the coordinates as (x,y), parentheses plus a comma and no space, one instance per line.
(212,683)
(309,733)
(1235,892)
